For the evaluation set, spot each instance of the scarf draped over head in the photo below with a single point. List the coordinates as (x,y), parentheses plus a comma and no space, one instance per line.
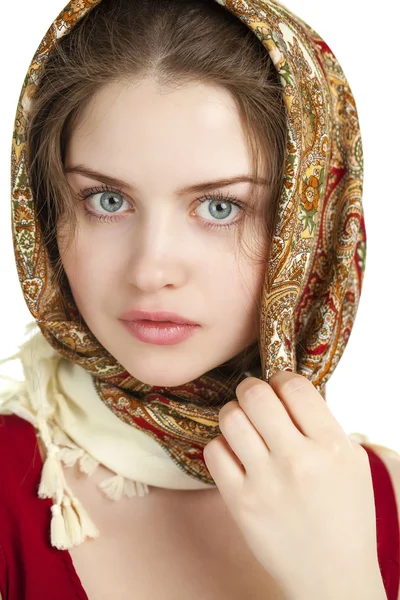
(312,282)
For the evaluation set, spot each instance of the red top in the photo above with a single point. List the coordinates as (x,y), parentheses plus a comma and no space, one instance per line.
(30,568)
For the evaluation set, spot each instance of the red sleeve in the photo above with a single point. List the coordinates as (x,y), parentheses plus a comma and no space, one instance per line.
(387,524)
(3,574)
(30,568)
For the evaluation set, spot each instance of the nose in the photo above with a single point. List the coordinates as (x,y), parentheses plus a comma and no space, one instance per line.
(158,256)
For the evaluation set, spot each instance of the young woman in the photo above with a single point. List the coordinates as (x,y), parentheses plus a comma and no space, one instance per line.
(189,237)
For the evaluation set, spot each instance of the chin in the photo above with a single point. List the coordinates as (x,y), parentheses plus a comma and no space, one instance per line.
(162,377)
(164,380)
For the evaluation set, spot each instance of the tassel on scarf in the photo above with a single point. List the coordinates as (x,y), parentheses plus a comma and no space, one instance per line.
(70,453)
(135,488)
(143,488)
(52,480)
(117,486)
(89,529)
(58,532)
(129,488)
(72,523)
(113,487)
(69,456)
(88,464)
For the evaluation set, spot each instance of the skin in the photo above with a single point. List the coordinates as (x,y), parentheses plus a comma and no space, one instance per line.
(158,253)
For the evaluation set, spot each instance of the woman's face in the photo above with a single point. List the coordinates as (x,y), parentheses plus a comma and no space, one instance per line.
(149,246)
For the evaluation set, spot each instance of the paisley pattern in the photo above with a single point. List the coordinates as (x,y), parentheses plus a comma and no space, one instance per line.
(315,272)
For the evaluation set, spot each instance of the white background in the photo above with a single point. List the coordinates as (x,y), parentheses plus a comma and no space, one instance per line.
(363,392)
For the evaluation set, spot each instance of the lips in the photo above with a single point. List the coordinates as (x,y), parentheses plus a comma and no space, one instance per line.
(161,333)
(160,316)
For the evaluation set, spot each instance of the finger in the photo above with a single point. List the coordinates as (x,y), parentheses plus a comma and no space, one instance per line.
(224,466)
(244,440)
(269,416)
(306,407)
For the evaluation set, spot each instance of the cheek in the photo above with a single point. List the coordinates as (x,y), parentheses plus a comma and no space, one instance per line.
(89,269)
(234,291)
(245,280)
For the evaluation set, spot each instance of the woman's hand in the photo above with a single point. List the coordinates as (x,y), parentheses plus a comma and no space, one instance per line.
(298,488)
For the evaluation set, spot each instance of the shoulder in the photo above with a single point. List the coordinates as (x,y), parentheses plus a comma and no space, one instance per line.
(18,448)
(15,428)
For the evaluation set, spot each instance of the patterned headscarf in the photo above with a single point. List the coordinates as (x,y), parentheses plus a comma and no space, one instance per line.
(317,258)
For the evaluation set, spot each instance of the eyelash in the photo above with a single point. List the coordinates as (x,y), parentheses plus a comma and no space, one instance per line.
(84,194)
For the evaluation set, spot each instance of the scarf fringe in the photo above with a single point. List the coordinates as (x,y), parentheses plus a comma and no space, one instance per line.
(73,525)
(89,528)
(135,488)
(117,486)
(52,479)
(113,487)
(88,464)
(58,531)
(70,524)
(69,456)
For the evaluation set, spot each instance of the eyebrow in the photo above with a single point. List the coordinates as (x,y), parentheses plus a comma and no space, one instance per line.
(197,187)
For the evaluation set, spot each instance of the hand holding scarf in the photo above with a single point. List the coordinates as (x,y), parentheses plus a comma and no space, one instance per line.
(298,488)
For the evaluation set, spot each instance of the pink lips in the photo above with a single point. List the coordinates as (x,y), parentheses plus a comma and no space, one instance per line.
(164,316)
(161,333)
(162,327)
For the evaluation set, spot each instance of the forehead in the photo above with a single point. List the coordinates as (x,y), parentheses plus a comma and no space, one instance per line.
(132,128)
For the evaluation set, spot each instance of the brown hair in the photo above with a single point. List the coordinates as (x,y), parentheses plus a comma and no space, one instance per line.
(171,42)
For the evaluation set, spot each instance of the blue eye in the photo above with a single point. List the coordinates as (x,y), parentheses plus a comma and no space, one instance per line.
(111,200)
(115,204)
(225,201)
